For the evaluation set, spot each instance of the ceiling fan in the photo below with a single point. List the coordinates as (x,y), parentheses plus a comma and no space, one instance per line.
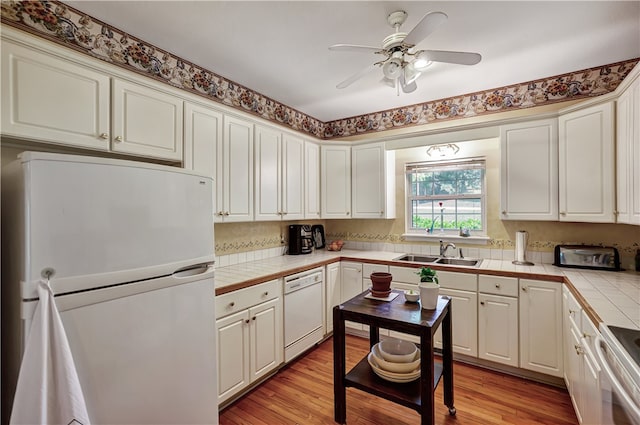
(402,64)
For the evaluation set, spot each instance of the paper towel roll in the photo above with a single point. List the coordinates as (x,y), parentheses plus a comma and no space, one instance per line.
(522,238)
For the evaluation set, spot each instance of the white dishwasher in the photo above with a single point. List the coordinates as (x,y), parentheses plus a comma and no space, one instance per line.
(303,306)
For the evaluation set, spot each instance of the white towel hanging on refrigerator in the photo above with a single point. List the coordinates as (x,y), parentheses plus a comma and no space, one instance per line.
(48,390)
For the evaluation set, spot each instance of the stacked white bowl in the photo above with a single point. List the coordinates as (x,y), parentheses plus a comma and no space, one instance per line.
(395,360)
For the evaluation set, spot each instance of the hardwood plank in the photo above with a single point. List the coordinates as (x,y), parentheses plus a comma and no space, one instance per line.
(302,393)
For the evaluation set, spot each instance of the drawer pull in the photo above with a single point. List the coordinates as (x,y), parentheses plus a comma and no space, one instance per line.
(104,136)
(118,139)
(253,318)
(498,285)
(232,304)
(266,293)
(246,321)
(481,302)
(524,289)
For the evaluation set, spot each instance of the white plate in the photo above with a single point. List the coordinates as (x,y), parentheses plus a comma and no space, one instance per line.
(392,367)
(390,376)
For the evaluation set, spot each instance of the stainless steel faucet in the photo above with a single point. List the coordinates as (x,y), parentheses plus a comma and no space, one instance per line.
(443,248)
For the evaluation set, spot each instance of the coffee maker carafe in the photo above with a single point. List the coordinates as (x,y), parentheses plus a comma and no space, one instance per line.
(300,239)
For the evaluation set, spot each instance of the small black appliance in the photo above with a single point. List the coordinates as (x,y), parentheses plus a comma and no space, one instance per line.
(300,239)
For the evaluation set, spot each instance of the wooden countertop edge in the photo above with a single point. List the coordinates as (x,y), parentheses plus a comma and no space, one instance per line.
(539,276)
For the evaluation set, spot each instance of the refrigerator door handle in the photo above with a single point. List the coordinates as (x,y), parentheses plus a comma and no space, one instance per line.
(194,270)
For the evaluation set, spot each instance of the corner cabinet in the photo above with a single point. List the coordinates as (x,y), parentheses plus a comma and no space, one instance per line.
(628,155)
(529,170)
(234,171)
(586,164)
(248,336)
(373,181)
(335,181)
(279,160)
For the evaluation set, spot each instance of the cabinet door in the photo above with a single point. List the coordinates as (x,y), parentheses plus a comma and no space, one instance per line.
(236,198)
(292,177)
(266,338)
(541,326)
(203,140)
(311,180)
(575,365)
(268,200)
(52,100)
(146,122)
(350,285)
(628,155)
(233,354)
(586,165)
(373,193)
(333,294)
(591,392)
(335,177)
(498,329)
(464,322)
(529,171)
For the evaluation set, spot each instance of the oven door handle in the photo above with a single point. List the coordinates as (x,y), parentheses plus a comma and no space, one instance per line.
(632,408)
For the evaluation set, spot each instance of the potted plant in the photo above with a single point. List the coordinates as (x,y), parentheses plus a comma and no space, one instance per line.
(429,288)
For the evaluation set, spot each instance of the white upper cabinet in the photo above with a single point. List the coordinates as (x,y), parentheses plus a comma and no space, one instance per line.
(146,121)
(202,141)
(586,165)
(373,181)
(335,186)
(529,170)
(48,99)
(311,180)
(628,155)
(278,175)
(234,201)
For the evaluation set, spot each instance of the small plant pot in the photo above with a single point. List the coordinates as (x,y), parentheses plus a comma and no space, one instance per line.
(381,283)
(429,295)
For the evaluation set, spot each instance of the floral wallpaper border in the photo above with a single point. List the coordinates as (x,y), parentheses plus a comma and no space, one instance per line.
(67,26)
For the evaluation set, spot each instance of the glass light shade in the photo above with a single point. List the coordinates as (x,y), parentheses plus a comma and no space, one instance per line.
(392,68)
(421,62)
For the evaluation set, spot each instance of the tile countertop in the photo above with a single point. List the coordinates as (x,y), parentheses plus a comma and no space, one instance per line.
(612,297)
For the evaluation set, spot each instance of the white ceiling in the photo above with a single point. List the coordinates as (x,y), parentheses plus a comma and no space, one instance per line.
(279,48)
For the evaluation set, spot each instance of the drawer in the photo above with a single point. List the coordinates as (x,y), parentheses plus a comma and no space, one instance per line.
(248,297)
(589,331)
(572,309)
(367,269)
(459,281)
(404,274)
(498,285)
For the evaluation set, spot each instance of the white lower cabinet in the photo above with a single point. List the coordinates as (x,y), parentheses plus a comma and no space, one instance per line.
(249,336)
(498,329)
(541,326)
(350,286)
(581,369)
(462,289)
(333,294)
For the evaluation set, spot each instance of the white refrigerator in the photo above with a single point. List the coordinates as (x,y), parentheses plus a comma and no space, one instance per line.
(128,248)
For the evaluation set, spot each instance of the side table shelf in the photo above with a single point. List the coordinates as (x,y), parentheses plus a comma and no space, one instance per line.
(400,316)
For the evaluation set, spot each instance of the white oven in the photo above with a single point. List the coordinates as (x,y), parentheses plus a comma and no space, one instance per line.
(617,351)
(303,311)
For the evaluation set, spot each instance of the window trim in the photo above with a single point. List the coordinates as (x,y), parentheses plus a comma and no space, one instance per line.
(474,162)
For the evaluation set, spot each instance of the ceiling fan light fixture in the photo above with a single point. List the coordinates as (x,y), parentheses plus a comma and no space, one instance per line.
(392,68)
(411,74)
(421,62)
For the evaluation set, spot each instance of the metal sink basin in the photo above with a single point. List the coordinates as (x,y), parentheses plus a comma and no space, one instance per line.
(458,261)
(417,258)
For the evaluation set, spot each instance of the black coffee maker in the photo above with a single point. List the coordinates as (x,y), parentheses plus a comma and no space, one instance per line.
(300,239)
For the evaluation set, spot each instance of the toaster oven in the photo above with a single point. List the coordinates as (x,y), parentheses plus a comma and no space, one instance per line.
(587,257)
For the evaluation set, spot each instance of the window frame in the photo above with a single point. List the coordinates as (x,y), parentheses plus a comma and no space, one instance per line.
(466,163)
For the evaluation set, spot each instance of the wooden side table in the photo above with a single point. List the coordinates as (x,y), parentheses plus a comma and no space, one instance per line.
(401,316)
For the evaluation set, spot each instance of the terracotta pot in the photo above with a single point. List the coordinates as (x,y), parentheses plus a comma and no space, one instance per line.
(380,282)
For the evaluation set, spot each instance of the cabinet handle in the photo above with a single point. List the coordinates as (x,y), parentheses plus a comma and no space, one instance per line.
(118,139)
(284,213)
(563,213)
(524,289)
(253,318)
(226,213)
(578,349)
(266,293)
(586,335)
(381,212)
(104,136)
(481,302)
(498,285)
(232,304)
(220,213)
(571,312)
(347,212)
(246,321)
(504,212)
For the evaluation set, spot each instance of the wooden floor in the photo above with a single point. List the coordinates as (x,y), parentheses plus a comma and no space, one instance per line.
(302,393)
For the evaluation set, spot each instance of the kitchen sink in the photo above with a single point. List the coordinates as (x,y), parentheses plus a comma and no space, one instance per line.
(417,258)
(458,261)
(414,258)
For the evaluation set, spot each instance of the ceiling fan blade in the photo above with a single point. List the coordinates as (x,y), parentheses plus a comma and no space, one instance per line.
(407,88)
(426,26)
(461,58)
(354,48)
(356,76)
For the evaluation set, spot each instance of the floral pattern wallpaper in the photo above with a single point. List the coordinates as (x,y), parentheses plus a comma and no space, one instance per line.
(67,26)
